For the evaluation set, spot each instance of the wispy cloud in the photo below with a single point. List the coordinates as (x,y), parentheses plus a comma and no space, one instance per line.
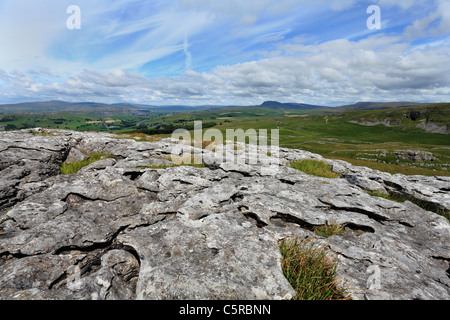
(187,53)
(224,51)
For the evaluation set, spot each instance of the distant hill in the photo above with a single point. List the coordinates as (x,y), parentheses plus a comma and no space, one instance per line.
(279,105)
(94,107)
(432,118)
(356,106)
(83,107)
(56,106)
(86,107)
(378,105)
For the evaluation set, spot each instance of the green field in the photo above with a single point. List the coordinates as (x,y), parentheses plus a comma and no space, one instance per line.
(335,136)
(338,135)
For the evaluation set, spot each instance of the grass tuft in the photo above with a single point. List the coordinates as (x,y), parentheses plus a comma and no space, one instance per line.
(74,167)
(311,271)
(329,230)
(314,167)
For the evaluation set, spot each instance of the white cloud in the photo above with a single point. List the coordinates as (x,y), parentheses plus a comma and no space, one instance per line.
(404,4)
(380,67)
(334,72)
(437,23)
(34,33)
(188,63)
(343,4)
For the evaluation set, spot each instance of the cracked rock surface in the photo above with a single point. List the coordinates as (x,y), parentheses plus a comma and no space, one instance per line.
(117,231)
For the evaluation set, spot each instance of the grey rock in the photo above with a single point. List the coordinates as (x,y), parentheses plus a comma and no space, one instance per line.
(220,257)
(416,156)
(76,155)
(433,127)
(117,230)
(26,160)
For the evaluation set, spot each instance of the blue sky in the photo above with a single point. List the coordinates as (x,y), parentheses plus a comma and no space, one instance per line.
(242,52)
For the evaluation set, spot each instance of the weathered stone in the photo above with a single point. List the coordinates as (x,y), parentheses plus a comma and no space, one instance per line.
(416,156)
(116,230)
(76,155)
(220,257)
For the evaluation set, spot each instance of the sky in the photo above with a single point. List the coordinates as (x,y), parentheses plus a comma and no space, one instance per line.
(224,52)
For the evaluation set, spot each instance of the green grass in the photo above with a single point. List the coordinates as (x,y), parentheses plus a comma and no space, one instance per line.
(340,139)
(391,168)
(435,113)
(311,271)
(74,167)
(329,230)
(314,167)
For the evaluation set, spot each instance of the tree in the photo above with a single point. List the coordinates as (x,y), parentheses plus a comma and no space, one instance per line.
(10,127)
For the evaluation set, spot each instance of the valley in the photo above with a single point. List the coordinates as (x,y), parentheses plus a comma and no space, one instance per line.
(391,138)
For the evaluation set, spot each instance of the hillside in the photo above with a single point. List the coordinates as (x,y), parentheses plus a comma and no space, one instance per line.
(409,145)
(378,105)
(279,105)
(429,118)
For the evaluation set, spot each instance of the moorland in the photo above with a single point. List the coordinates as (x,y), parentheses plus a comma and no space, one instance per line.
(398,137)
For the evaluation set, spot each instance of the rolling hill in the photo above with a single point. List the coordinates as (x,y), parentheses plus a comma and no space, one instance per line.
(434,118)
(139,109)
(279,105)
(378,105)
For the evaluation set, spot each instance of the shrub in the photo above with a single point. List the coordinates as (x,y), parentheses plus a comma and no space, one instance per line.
(311,271)
(314,167)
